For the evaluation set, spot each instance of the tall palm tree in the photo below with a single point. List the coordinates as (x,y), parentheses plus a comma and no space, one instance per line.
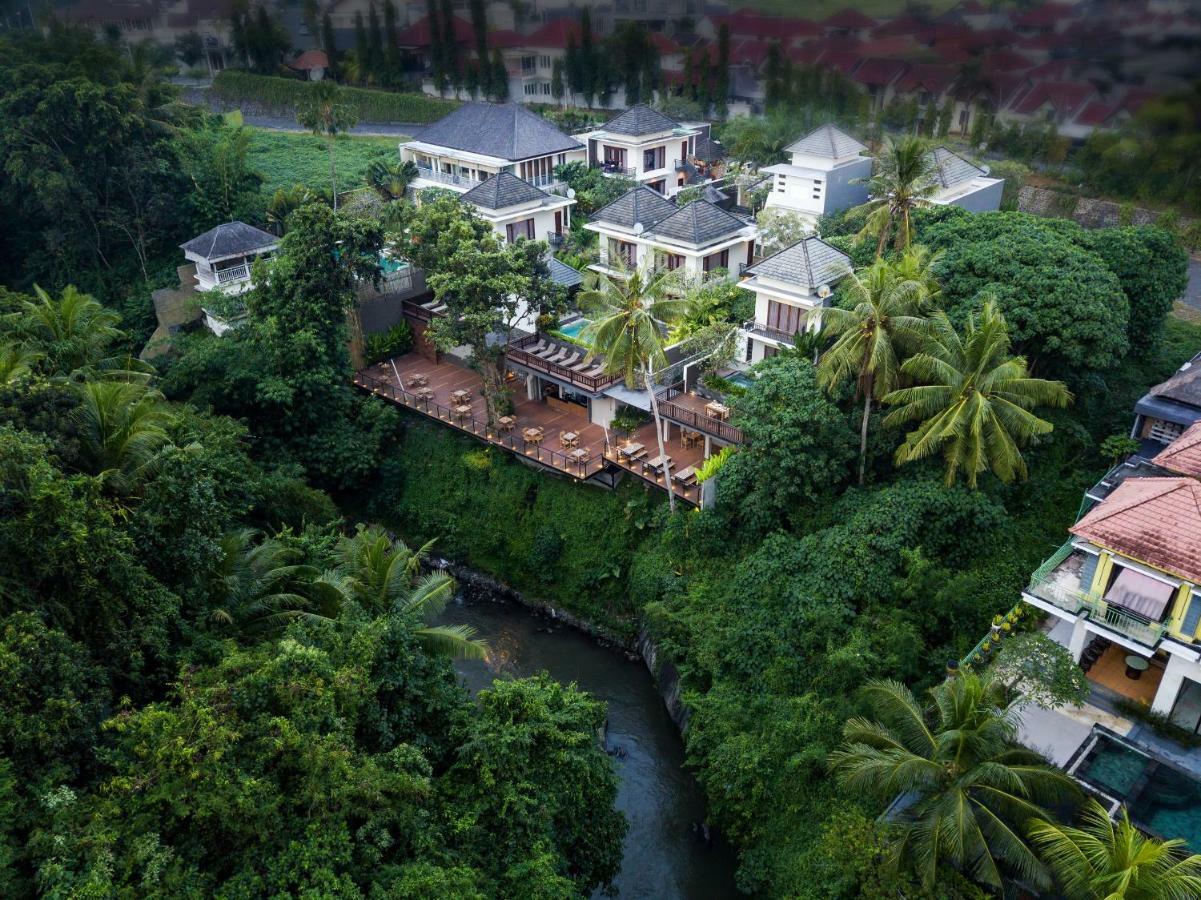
(973,400)
(122,426)
(966,787)
(261,585)
(628,320)
(391,179)
(325,114)
(384,577)
(73,332)
(884,323)
(16,361)
(1107,860)
(903,181)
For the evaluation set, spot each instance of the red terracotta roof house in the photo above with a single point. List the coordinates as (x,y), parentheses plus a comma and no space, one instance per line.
(747,23)
(507,39)
(890,47)
(843,61)
(850,19)
(1152,520)
(1052,70)
(1183,455)
(927,77)
(1041,18)
(877,72)
(1065,97)
(902,25)
(1096,114)
(1004,61)
(665,45)
(309,60)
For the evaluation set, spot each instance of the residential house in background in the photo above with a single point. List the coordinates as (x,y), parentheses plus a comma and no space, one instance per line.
(516,209)
(642,230)
(1164,412)
(648,146)
(826,174)
(963,184)
(478,140)
(791,288)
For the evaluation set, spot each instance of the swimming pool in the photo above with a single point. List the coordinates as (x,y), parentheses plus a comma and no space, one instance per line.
(1161,798)
(573,328)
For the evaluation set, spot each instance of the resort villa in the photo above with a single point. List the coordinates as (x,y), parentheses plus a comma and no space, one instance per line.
(223,257)
(1165,411)
(516,209)
(650,147)
(963,184)
(478,140)
(826,175)
(1123,595)
(642,230)
(790,288)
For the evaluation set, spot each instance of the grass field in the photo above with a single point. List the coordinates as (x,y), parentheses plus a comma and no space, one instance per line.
(288,158)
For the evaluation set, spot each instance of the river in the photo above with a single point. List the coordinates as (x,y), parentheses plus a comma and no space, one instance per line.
(663,857)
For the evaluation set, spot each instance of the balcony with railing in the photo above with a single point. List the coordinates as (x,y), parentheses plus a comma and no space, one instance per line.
(1060,586)
(612,168)
(697,412)
(555,238)
(431,174)
(767,332)
(562,363)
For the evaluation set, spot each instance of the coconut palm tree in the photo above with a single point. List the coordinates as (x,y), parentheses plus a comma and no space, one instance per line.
(1108,860)
(391,179)
(325,114)
(73,332)
(903,181)
(973,400)
(260,585)
(384,577)
(882,324)
(16,361)
(628,319)
(122,426)
(963,786)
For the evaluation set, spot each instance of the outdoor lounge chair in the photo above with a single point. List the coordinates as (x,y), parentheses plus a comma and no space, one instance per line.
(555,354)
(536,348)
(586,363)
(570,360)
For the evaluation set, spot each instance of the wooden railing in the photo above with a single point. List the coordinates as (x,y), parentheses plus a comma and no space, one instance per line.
(692,419)
(510,440)
(240,272)
(522,357)
(415,310)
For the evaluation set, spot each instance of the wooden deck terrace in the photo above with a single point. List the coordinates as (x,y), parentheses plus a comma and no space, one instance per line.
(393,381)
(690,411)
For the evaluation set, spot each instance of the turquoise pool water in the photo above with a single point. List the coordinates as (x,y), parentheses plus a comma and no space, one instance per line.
(389,265)
(741,379)
(573,329)
(1161,798)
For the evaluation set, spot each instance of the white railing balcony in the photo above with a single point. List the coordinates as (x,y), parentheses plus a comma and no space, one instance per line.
(1098,610)
(430,174)
(233,274)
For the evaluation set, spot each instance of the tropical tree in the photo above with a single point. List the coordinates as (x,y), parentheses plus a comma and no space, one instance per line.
(628,319)
(16,361)
(1108,860)
(881,322)
(384,577)
(973,400)
(902,183)
(325,114)
(261,584)
(286,200)
(122,426)
(72,332)
(391,179)
(968,787)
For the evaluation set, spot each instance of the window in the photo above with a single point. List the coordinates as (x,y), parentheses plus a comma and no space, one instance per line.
(546,88)
(654,159)
(544,62)
(621,252)
(529,63)
(719,260)
(670,261)
(658,186)
(514,231)
(530,89)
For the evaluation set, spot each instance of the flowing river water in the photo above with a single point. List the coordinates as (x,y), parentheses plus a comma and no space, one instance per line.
(665,856)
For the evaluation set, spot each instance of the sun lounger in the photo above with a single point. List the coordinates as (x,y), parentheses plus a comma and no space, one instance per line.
(550,352)
(537,348)
(581,366)
(560,353)
(569,361)
(594,371)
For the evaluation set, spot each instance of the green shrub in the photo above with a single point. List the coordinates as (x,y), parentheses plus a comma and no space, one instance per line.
(284,95)
(396,341)
(627,422)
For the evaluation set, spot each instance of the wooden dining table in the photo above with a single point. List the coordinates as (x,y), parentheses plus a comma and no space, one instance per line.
(630,450)
(461,397)
(717,410)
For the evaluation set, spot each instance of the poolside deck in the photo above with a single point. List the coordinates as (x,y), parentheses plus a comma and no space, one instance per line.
(392,380)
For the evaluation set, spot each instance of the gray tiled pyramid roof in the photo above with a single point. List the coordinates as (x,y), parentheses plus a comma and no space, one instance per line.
(827,141)
(1185,384)
(639,204)
(708,149)
(640,119)
(809,264)
(950,168)
(561,273)
(230,239)
(505,130)
(700,223)
(503,190)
